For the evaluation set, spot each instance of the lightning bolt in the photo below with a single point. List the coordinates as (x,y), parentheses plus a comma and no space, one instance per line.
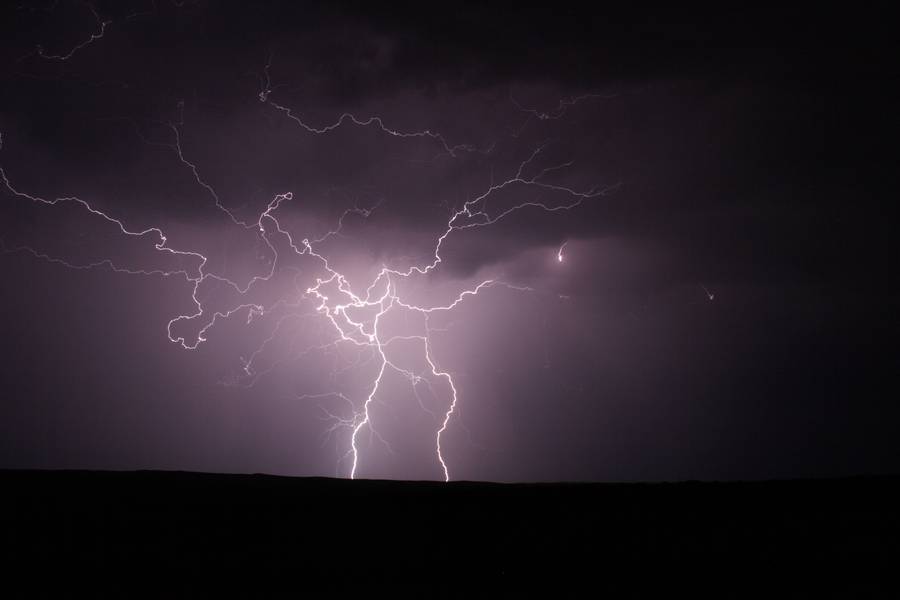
(102,24)
(334,301)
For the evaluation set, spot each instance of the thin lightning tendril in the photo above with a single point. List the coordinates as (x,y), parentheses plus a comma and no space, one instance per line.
(101,31)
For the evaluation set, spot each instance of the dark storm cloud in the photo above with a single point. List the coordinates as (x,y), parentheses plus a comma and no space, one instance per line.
(709,116)
(750,155)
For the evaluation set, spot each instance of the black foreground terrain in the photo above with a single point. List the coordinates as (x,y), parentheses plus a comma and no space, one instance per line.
(173,534)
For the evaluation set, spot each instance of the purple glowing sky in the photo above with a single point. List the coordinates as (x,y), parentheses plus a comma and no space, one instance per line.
(321,241)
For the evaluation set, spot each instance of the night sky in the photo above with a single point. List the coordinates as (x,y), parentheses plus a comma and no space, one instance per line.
(720,187)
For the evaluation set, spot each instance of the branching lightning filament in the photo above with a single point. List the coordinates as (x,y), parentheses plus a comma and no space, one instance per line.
(355,317)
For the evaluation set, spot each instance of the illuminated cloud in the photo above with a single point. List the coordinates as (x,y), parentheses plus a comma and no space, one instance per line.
(392,244)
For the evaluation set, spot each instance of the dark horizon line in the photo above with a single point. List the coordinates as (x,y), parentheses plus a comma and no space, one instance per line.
(459,482)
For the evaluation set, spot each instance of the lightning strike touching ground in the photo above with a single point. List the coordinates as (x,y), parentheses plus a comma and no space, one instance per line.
(355,316)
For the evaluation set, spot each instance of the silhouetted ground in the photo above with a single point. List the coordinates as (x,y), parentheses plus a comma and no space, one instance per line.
(185,534)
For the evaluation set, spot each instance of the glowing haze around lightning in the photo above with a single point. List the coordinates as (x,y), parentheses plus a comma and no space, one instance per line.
(381,295)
